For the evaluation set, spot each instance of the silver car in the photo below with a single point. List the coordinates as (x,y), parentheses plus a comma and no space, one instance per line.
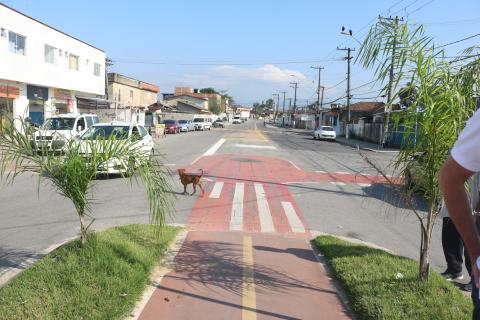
(186,125)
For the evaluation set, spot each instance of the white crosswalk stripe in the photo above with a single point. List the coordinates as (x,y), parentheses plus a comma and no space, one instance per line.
(266,222)
(236,220)
(292,217)
(217,190)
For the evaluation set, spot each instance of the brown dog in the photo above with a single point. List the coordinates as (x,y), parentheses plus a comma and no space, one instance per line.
(193,178)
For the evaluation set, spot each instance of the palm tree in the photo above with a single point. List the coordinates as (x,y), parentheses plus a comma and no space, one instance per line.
(444,97)
(73,173)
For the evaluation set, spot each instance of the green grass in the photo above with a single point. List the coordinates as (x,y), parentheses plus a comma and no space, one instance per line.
(368,276)
(101,281)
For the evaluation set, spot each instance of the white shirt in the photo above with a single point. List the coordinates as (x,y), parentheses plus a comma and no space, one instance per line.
(466,151)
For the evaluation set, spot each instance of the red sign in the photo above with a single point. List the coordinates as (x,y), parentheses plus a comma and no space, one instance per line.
(9,92)
(62,94)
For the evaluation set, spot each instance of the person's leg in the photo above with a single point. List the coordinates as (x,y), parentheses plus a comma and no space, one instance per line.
(452,246)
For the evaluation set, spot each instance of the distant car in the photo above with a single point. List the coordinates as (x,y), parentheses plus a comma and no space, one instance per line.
(186,125)
(171,126)
(325,132)
(202,124)
(219,123)
(142,142)
(237,120)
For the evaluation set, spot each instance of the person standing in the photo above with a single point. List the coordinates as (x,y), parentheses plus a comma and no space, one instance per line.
(463,162)
(453,248)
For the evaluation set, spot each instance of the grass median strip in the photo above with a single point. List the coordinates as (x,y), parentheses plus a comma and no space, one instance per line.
(103,280)
(380,285)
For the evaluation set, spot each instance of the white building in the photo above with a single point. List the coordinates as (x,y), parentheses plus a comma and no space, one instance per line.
(44,70)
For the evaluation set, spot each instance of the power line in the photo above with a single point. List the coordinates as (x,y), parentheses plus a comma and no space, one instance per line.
(421,7)
(151,62)
(336,85)
(457,41)
(363,85)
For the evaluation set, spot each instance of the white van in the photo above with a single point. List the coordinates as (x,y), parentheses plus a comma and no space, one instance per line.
(57,130)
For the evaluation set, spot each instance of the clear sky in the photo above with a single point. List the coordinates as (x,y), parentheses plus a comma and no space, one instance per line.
(250,48)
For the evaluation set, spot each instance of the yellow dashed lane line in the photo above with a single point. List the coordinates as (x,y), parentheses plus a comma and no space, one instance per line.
(249,300)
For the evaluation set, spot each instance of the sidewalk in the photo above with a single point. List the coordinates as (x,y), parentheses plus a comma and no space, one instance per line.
(234,275)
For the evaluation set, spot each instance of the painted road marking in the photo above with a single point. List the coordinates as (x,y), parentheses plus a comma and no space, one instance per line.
(214,148)
(266,222)
(249,298)
(365,184)
(236,220)
(253,146)
(335,183)
(342,172)
(169,164)
(292,217)
(320,171)
(293,164)
(217,190)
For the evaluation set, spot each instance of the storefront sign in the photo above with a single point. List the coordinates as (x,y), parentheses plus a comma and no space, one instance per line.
(37,93)
(62,94)
(9,92)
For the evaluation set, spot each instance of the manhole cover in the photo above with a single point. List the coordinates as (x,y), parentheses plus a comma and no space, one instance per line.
(245,160)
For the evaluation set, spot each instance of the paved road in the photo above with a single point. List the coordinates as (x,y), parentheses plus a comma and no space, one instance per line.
(337,199)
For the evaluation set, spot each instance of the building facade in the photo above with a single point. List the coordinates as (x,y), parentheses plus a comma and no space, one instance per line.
(43,70)
(215,103)
(129,97)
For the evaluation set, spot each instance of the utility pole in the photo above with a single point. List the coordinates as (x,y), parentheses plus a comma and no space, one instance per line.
(348,58)
(391,23)
(283,109)
(320,116)
(318,85)
(295,86)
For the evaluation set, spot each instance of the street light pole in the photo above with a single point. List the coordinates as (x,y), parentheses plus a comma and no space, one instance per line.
(295,86)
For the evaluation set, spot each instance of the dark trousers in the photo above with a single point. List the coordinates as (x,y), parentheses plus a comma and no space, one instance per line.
(453,248)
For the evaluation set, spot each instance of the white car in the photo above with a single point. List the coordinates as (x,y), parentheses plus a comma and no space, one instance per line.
(325,132)
(143,142)
(56,131)
(237,120)
(202,124)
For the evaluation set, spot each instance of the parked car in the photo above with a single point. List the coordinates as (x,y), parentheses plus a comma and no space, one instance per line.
(55,132)
(142,142)
(219,123)
(325,132)
(171,126)
(186,125)
(237,120)
(202,124)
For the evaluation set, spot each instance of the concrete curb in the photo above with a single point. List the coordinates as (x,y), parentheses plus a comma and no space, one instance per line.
(166,265)
(12,272)
(357,146)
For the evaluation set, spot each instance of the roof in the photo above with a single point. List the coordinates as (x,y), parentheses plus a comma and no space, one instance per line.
(192,105)
(185,95)
(366,106)
(48,26)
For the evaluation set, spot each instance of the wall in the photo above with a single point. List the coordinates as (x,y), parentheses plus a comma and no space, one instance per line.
(31,68)
(121,93)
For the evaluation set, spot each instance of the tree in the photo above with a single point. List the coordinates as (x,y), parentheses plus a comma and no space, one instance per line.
(72,174)
(442,90)
(208,90)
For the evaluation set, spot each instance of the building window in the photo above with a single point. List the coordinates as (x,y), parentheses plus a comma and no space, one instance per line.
(97,69)
(51,54)
(16,43)
(73,62)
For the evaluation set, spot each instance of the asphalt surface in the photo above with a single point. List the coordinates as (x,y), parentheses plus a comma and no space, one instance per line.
(32,221)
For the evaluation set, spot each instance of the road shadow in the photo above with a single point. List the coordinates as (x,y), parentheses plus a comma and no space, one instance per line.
(394,196)
(220,264)
(16,258)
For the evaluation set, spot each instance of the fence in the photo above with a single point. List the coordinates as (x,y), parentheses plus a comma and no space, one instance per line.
(374,132)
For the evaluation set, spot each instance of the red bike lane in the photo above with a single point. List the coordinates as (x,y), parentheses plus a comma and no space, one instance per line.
(247,254)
